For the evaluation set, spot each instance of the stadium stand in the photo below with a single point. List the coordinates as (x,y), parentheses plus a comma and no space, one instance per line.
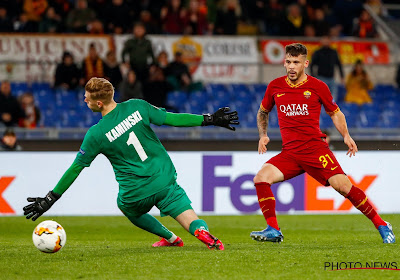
(65,108)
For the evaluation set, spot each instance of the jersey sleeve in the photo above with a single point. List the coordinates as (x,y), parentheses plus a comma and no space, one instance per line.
(268,101)
(157,115)
(89,149)
(327,99)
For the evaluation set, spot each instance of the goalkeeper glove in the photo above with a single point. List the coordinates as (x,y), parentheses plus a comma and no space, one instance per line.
(40,205)
(222,117)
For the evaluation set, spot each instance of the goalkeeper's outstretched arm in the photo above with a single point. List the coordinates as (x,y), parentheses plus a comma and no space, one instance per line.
(222,117)
(40,205)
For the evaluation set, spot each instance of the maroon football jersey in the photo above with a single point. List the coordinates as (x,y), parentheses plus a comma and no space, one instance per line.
(299,109)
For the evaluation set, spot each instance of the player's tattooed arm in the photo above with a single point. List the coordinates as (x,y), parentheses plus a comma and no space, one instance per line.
(339,120)
(262,122)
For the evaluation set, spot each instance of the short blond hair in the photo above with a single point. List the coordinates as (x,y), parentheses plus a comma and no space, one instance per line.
(100,89)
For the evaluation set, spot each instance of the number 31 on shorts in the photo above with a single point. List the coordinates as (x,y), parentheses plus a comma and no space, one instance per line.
(324,160)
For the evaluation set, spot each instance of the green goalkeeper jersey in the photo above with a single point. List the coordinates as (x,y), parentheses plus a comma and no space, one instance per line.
(141,164)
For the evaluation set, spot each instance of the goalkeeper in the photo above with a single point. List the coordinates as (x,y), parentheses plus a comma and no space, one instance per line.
(143,169)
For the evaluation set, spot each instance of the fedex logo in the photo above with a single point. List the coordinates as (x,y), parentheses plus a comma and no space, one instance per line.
(299,193)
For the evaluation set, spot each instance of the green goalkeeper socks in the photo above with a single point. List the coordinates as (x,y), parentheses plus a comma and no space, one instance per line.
(197,224)
(151,224)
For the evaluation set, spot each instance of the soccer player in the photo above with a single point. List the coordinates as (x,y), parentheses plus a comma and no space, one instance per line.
(143,169)
(298,98)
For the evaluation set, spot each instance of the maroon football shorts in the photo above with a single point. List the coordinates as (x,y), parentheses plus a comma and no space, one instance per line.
(320,163)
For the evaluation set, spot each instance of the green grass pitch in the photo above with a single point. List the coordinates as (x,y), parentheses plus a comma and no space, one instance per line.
(112,248)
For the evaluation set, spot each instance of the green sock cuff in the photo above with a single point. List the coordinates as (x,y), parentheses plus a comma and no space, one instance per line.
(197,224)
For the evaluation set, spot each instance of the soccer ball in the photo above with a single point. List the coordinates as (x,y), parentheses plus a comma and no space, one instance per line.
(49,236)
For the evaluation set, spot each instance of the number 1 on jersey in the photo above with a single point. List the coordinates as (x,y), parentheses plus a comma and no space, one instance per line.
(133,140)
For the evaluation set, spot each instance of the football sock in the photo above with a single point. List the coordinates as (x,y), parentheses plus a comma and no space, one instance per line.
(358,198)
(197,224)
(267,203)
(152,225)
(172,239)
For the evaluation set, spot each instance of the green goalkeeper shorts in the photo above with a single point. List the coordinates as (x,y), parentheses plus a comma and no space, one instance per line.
(171,201)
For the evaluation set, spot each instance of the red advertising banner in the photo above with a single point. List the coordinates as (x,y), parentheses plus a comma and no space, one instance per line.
(349,51)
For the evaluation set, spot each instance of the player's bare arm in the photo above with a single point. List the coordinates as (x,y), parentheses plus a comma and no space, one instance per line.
(262,124)
(339,120)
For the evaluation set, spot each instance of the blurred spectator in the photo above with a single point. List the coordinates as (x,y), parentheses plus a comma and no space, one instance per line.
(294,22)
(9,141)
(364,26)
(320,24)
(149,23)
(112,69)
(62,7)
(34,9)
(273,17)
(117,16)
(211,14)
(5,21)
(335,31)
(178,75)
(326,59)
(51,23)
(95,27)
(162,60)
(140,52)
(13,7)
(10,110)
(131,87)
(31,111)
(305,10)
(173,17)
(92,65)
(67,73)
(99,7)
(309,31)
(195,20)
(357,85)
(80,17)
(228,13)
(254,12)
(156,88)
(153,6)
(24,25)
(378,8)
(345,11)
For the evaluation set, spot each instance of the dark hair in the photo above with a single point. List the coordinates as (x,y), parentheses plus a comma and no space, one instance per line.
(139,23)
(296,49)
(361,63)
(66,54)
(9,132)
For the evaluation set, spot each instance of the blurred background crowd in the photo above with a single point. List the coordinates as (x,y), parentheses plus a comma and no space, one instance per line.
(193,17)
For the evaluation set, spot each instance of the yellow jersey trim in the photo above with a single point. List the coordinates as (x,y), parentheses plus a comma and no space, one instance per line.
(334,112)
(263,109)
(295,86)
